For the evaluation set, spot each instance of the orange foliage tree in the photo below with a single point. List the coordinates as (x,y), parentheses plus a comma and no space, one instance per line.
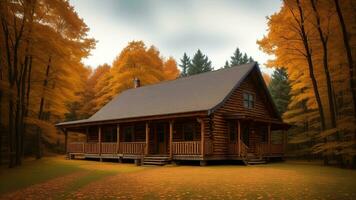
(305,37)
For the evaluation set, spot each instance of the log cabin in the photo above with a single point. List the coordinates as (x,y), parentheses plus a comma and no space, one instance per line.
(227,114)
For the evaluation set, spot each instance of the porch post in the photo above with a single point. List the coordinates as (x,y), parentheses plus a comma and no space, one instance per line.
(118,138)
(65,141)
(87,133)
(87,139)
(147,138)
(202,137)
(170,139)
(239,137)
(99,133)
(269,138)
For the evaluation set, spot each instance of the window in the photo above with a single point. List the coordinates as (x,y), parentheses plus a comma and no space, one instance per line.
(128,133)
(249,101)
(109,134)
(232,131)
(188,131)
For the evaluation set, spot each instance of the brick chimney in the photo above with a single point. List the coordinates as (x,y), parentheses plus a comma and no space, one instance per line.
(137,82)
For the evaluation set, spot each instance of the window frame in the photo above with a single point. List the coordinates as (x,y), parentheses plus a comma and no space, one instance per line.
(251,100)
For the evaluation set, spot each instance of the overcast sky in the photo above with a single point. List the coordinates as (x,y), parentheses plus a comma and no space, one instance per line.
(216,27)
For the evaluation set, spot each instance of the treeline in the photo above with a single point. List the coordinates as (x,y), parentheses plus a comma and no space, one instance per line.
(106,81)
(42,44)
(314,41)
(200,62)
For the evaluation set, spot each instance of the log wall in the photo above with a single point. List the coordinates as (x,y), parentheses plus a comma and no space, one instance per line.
(234,105)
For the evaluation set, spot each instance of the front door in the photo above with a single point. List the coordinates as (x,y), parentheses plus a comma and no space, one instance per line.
(161,138)
(253,139)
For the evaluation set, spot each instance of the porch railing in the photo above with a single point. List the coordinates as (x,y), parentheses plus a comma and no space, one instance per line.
(276,149)
(91,148)
(244,149)
(76,147)
(132,147)
(108,147)
(186,148)
(265,149)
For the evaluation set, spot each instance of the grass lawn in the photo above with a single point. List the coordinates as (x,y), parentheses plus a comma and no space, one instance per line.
(57,178)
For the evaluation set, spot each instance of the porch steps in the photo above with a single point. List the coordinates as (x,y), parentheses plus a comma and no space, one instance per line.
(253,159)
(156,160)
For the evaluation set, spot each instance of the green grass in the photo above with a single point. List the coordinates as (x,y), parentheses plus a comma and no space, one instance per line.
(37,171)
(106,180)
(32,172)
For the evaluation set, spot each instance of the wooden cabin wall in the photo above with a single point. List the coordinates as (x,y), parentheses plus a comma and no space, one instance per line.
(234,105)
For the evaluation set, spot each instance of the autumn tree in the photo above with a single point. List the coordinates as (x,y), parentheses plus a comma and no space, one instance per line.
(44,42)
(134,61)
(306,37)
(170,69)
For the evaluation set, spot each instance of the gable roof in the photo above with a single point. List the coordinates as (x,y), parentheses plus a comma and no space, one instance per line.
(201,92)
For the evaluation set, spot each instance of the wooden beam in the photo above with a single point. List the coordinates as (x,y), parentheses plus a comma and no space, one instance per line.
(147,138)
(170,139)
(239,137)
(118,138)
(202,145)
(136,119)
(99,135)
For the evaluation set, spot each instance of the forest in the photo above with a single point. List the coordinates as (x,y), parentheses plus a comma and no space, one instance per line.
(43,80)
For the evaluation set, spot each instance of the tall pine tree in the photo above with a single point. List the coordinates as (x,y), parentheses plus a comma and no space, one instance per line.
(227,65)
(244,59)
(200,63)
(280,89)
(236,58)
(239,58)
(185,63)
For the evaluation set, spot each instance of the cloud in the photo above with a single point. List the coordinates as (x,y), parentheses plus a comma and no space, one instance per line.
(175,27)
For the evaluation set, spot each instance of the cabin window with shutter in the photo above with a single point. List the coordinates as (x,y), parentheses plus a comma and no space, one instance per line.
(249,100)
(128,133)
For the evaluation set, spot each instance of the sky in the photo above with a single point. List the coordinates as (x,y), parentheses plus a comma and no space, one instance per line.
(216,27)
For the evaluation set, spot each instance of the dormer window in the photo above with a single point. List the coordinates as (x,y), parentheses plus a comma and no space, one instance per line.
(249,100)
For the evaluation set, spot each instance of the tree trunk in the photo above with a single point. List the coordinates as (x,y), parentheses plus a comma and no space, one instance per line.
(308,55)
(324,42)
(348,53)
(11,140)
(40,113)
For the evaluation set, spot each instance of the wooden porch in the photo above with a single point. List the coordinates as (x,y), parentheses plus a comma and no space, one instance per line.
(248,137)
(180,139)
(122,149)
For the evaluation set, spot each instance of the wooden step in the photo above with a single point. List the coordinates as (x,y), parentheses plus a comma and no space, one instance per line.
(256,162)
(156,160)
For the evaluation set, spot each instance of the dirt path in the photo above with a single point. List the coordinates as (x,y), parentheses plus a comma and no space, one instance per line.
(45,190)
